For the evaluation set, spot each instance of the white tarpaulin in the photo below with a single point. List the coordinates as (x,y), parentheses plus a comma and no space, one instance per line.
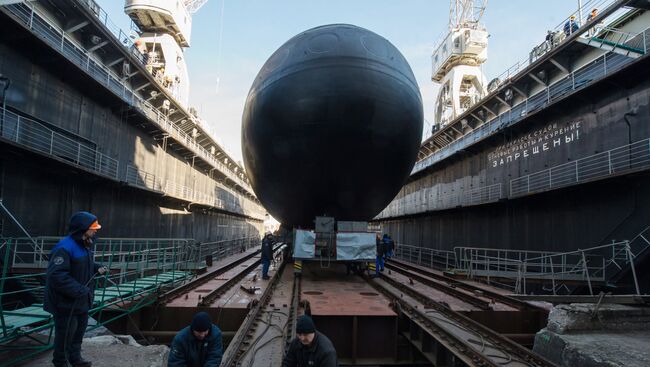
(356,246)
(304,244)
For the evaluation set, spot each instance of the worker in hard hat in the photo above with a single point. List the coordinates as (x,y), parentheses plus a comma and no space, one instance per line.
(69,288)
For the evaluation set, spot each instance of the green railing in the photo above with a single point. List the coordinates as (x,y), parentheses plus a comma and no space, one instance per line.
(140,268)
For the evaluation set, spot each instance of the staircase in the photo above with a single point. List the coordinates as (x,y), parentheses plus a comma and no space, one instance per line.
(620,42)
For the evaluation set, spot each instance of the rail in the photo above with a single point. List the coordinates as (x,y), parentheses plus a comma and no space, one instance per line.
(524,62)
(34,135)
(135,251)
(123,291)
(591,72)
(430,198)
(113,28)
(582,266)
(238,204)
(222,249)
(625,159)
(432,258)
(83,153)
(57,38)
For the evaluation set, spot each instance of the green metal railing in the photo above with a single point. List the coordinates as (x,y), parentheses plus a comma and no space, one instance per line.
(140,269)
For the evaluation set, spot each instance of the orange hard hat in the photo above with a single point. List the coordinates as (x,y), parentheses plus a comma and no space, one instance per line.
(95,225)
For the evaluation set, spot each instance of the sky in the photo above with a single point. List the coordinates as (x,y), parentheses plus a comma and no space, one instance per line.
(232,39)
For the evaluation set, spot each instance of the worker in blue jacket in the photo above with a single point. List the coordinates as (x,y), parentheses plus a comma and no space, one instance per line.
(267,254)
(69,288)
(389,246)
(197,345)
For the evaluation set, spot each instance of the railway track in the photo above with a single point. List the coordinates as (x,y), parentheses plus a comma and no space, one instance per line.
(269,325)
(246,264)
(454,284)
(467,341)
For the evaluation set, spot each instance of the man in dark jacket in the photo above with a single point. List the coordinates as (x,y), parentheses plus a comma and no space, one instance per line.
(310,348)
(388,246)
(197,345)
(69,288)
(379,261)
(267,254)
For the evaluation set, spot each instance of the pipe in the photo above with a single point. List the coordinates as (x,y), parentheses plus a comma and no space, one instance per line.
(7,82)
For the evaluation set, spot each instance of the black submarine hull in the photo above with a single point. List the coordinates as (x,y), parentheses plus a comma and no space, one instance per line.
(332,126)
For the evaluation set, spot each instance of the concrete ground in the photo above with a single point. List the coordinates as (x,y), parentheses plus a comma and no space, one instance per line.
(109,351)
(586,335)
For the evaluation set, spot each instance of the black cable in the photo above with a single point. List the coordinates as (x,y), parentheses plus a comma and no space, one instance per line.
(269,325)
(128,314)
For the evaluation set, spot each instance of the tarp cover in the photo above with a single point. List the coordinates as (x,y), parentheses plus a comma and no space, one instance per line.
(355,246)
(304,244)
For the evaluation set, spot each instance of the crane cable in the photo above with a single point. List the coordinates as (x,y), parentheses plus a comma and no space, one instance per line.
(219,46)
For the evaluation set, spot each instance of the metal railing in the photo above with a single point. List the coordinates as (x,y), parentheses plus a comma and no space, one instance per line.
(113,28)
(236,204)
(33,134)
(132,253)
(430,198)
(141,178)
(435,259)
(588,74)
(621,160)
(136,251)
(524,62)
(63,43)
(612,38)
(218,250)
(124,287)
(586,266)
(625,159)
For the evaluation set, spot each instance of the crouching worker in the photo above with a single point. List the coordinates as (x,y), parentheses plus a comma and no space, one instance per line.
(69,288)
(309,348)
(197,345)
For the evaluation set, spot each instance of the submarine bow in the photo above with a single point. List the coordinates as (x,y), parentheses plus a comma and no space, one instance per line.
(332,126)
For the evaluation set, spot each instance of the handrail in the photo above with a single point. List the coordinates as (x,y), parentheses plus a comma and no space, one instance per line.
(589,265)
(430,198)
(506,118)
(588,74)
(623,159)
(525,62)
(238,204)
(425,256)
(31,133)
(68,47)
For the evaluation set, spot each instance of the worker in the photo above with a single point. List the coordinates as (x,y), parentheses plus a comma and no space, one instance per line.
(571,26)
(197,345)
(267,254)
(379,260)
(590,18)
(389,245)
(69,288)
(592,15)
(309,347)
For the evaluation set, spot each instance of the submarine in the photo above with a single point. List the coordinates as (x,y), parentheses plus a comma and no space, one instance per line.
(331,126)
